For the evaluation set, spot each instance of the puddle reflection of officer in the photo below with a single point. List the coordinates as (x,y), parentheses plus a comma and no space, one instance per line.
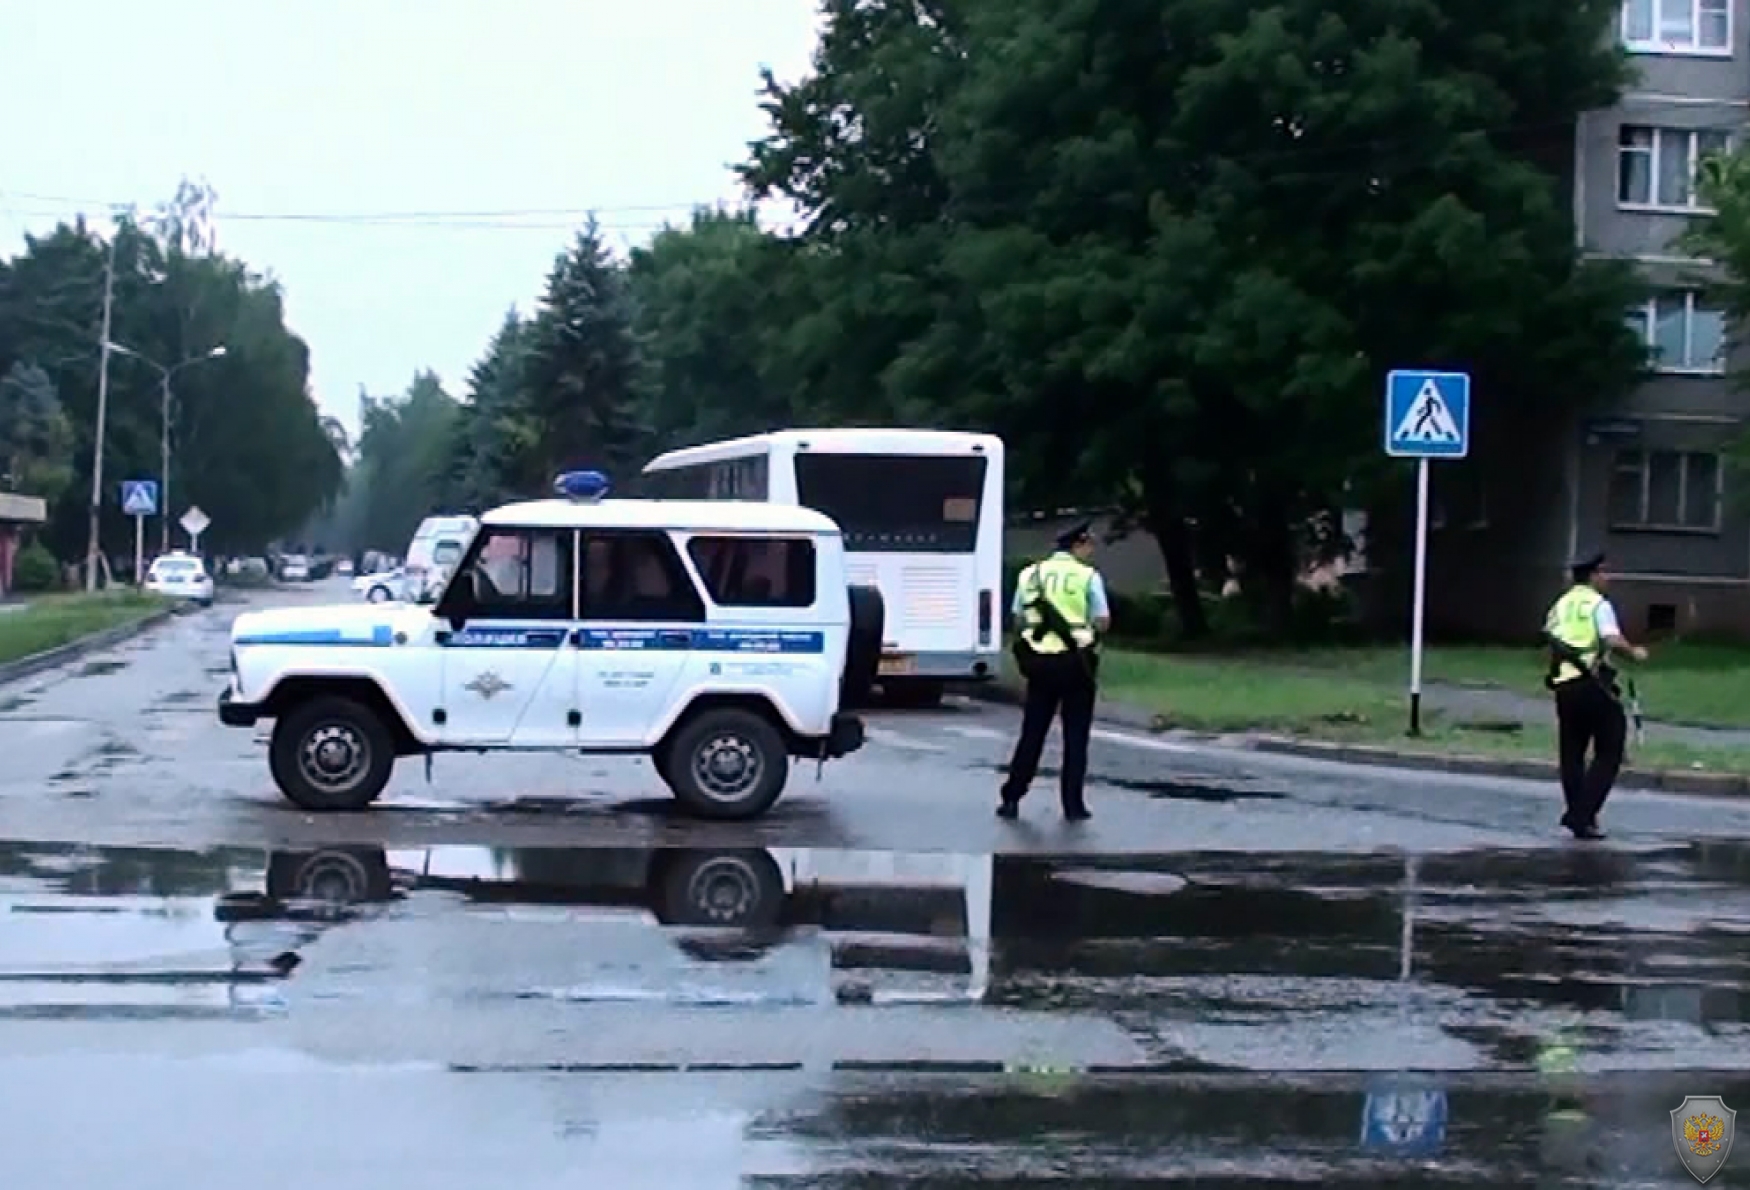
(1061,605)
(1582,632)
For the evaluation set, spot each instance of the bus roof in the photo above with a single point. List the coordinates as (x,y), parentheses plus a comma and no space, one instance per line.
(840,441)
(691,516)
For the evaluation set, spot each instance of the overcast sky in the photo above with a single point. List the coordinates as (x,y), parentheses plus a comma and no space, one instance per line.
(352,110)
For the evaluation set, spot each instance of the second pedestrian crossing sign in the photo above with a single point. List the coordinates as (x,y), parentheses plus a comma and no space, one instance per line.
(1427,415)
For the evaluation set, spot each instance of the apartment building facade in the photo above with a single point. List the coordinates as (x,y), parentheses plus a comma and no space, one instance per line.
(1649,481)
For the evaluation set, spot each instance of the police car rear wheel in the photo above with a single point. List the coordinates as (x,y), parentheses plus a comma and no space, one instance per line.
(331,754)
(378,595)
(727,764)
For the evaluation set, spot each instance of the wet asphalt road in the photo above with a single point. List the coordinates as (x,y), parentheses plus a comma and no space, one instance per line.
(125,748)
(1246,971)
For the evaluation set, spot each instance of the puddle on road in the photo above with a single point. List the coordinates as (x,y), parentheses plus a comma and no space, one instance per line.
(1252,961)
(102,667)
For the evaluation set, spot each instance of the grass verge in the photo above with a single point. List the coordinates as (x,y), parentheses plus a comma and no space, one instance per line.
(1698,685)
(1356,697)
(50,621)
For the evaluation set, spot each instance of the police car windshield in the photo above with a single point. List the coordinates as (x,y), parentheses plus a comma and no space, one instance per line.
(897,503)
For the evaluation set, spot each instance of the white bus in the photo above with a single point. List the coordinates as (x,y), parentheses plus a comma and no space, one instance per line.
(922,515)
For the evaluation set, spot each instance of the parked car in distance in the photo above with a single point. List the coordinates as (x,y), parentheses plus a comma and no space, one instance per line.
(180,576)
(387,587)
(294,568)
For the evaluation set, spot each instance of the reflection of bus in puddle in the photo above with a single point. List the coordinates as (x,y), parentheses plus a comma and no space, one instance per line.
(751,925)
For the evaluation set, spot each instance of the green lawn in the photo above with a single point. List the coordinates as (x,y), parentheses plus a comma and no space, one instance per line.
(1697,685)
(53,620)
(1359,696)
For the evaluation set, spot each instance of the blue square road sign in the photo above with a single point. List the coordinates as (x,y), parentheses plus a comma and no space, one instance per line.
(140,497)
(1427,415)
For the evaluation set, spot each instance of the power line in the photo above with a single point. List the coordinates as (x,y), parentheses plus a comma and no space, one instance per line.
(1289,158)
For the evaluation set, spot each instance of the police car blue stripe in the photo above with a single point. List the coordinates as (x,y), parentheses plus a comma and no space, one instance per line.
(702,640)
(381,636)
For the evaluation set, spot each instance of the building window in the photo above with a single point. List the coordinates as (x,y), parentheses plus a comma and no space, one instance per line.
(1677,26)
(1667,489)
(1657,167)
(1682,334)
(756,571)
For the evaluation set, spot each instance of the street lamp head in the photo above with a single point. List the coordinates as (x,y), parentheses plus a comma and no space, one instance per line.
(217,352)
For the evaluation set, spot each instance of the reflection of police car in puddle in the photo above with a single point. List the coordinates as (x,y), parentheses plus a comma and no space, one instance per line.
(720,638)
(734,925)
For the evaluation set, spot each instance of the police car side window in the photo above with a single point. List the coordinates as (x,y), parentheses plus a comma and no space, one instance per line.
(523,574)
(755,571)
(637,576)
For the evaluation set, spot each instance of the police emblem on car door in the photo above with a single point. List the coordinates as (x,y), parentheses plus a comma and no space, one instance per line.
(509,673)
(489,685)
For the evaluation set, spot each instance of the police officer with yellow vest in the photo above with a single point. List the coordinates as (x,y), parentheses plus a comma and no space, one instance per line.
(1061,607)
(1582,632)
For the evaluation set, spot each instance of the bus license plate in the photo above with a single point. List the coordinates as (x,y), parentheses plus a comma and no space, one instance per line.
(892,667)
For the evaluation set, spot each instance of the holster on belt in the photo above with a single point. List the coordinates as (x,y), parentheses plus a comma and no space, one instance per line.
(1561,653)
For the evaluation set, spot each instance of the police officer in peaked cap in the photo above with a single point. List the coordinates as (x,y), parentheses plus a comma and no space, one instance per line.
(1061,608)
(1583,634)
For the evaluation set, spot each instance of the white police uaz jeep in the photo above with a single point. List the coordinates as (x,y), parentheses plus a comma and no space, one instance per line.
(719,638)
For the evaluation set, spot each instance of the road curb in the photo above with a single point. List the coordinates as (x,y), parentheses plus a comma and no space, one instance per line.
(1655,780)
(74,650)
(1703,784)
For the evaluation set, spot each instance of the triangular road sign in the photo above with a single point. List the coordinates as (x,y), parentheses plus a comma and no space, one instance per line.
(139,500)
(1427,419)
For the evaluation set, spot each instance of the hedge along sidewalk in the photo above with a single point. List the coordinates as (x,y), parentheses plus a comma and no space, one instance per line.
(50,629)
(1358,714)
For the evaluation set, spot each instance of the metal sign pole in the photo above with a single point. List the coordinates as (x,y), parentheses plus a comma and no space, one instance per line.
(1418,610)
(139,551)
(1427,416)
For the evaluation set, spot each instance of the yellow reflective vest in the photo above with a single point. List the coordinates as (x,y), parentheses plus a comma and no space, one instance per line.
(1063,581)
(1573,620)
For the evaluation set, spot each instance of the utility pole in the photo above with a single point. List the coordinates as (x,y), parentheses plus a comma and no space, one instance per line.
(164,468)
(94,545)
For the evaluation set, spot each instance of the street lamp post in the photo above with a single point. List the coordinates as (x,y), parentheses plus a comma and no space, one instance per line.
(164,376)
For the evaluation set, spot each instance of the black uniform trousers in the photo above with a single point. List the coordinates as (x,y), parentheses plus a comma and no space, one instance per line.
(1057,684)
(1588,717)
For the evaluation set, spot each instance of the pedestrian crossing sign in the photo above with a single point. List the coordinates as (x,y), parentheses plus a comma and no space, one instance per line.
(1427,415)
(140,497)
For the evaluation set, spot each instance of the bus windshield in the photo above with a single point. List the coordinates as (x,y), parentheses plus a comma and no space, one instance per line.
(896,503)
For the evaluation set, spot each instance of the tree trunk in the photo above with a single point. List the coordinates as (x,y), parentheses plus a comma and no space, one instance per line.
(1173,536)
(1273,567)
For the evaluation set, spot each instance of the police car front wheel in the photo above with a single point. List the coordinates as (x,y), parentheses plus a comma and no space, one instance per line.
(331,754)
(727,764)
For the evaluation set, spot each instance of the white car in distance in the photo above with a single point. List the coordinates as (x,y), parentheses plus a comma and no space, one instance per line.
(390,586)
(180,576)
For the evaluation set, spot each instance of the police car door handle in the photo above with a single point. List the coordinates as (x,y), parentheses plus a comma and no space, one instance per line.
(675,640)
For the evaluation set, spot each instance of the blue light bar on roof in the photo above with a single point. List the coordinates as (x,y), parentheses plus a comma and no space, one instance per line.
(581,485)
